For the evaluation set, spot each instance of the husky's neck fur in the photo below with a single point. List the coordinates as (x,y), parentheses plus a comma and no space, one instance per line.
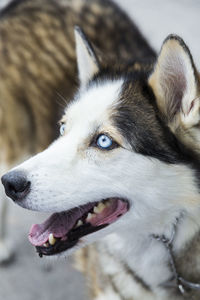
(150,261)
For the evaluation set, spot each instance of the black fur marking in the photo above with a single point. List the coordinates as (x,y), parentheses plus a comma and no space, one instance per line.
(139,120)
(115,287)
(136,277)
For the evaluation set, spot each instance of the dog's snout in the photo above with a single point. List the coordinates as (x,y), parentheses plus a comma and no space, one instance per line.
(16,185)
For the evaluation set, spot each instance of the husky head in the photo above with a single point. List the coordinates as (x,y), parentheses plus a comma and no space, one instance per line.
(127,158)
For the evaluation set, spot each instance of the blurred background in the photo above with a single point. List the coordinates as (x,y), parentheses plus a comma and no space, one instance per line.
(28,277)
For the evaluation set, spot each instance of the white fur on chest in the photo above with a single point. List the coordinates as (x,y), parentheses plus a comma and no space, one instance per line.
(112,261)
(148,259)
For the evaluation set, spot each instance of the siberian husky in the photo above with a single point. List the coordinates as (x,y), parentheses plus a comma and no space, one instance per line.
(38,68)
(124,174)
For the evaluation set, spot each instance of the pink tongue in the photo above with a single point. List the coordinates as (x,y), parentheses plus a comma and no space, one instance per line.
(56,224)
(59,224)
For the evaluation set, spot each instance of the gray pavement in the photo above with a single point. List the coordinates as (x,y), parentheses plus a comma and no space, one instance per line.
(32,278)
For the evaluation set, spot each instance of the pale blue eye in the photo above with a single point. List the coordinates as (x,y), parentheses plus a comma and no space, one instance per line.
(104,141)
(62,129)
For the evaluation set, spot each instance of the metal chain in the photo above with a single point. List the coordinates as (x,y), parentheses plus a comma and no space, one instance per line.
(181,283)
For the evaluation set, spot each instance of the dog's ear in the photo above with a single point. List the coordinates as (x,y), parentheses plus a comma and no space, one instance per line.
(88,64)
(175,84)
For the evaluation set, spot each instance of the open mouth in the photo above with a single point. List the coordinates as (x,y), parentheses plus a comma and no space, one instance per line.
(62,231)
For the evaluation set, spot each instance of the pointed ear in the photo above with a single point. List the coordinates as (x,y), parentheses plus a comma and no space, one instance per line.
(175,84)
(88,64)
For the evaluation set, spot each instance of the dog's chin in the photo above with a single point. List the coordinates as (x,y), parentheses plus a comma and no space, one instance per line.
(65,231)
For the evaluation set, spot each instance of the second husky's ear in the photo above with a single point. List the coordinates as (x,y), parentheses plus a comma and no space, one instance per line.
(88,64)
(175,84)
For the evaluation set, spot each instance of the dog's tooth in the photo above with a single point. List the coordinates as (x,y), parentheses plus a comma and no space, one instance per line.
(101,206)
(96,210)
(79,223)
(90,216)
(46,244)
(52,239)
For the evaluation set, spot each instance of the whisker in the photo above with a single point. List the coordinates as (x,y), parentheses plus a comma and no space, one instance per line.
(64,102)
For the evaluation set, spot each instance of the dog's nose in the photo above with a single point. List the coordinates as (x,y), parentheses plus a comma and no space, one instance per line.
(16,185)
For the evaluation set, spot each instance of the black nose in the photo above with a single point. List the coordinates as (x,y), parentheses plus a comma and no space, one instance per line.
(16,185)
